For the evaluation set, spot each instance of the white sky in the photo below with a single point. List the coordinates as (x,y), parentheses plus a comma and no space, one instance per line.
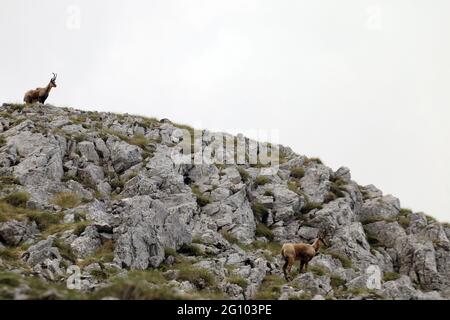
(357,83)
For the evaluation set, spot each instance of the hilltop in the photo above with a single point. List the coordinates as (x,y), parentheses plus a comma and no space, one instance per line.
(96,200)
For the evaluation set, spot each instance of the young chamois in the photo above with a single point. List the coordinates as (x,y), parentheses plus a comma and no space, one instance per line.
(302,252)
(40,94)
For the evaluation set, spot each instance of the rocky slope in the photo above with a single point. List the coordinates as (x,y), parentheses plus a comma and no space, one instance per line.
(94,200)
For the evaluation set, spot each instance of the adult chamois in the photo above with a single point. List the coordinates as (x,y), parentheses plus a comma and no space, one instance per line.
(302,252)
(40,94)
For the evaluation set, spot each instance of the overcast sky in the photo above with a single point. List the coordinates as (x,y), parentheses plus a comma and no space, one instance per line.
(358,83)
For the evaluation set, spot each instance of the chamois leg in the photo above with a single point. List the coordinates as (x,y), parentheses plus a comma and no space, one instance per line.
(302,264)
(290,262)
(306,266)
(286,264)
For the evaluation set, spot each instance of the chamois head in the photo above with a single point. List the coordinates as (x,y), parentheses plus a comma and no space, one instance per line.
(322,238)
(53,80)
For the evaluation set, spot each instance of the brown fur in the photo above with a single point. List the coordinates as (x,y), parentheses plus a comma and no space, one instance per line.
(40,94)
(300,251)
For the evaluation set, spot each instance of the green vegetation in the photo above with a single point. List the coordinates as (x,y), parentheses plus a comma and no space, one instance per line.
(139,140)
(44,220)
(262,180)
(67,200)
(330,196)
(245,176)
(17,199)
(269,193)
(260,212)
(229,237)
(372,240)
(34,287)
(346,262)
(273,247)
(313,160)
(202,200)
(270,288)
(8,182)
(2,141)
(311,206)
(297,172)
(65,250)
(138,285)
(78,228)
(337,189)
(263,231)
(191,250)
(317,270)
(170,252)
(201,278)
(336,282)
(13,207)
(391,276)
(294,186)
(103,255)
(241,282)
(303,296)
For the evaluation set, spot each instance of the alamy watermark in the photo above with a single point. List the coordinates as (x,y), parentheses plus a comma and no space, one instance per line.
(73,21)
(374,19)
(203,147)
(374,277)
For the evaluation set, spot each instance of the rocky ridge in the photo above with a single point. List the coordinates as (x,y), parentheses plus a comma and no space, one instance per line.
(93,206)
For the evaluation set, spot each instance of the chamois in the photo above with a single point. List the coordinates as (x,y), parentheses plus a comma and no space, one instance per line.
(302,252)
(40,94)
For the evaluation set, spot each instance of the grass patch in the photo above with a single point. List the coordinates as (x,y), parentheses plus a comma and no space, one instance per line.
(273,247)
(170,252)
(330,196)
(245,176)
(294,186)
(229,237)
(309,206)
(260,212)
(263,231)
(336,282)
(404,221)
(202,200)
(67,200)
(346,262)
(313,160)
(270,288)
(44,220)
(191,250)
(65,250)
(2,141)
(138,285)
(139,140)
(17,199)
(241,282)
(201,278)
(10,254)
(8,181)
(262,180)
(269,193)
(78,228)
(391,276)
(318,270)
(297,172)
(337,189)
(104,254)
